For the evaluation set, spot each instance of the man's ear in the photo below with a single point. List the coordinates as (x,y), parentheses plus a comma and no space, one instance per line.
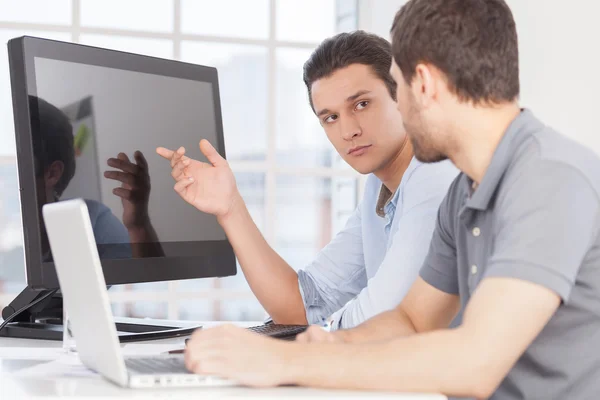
(53,174)
(424,85)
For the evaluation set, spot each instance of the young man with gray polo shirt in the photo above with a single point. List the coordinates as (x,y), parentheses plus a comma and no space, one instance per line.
(516,242)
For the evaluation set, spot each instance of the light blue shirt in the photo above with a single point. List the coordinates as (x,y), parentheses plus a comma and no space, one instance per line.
(110,234)
(370,265)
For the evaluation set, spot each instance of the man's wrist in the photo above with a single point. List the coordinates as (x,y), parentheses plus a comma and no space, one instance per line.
(296,360)
(345,335)
(235,212)
(139,230)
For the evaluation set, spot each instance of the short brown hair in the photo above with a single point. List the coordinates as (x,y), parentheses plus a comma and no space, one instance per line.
(345,49)
(473,42)
(52,135)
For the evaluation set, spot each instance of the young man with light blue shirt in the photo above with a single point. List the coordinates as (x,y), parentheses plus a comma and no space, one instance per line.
(369,266)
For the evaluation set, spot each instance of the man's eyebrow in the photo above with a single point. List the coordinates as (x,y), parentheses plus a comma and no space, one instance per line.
(323,112)
(350,98)
(357,95)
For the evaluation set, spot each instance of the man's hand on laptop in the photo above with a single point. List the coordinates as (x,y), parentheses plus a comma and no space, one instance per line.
(238,354)
(316,334)
(211,188)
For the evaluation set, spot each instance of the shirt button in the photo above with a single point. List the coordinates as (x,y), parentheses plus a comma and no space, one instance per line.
(476,232)
(473,269)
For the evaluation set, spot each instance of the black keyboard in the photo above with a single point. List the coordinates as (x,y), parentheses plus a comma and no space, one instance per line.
(279,331)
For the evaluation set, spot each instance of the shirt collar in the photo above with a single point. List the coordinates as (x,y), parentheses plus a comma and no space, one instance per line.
(512,138)
(388,200)
(385,197)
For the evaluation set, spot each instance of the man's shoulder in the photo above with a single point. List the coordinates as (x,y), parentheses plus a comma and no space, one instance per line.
(549,153)
(96,208)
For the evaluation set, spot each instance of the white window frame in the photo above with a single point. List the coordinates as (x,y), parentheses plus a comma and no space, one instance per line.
(268,167)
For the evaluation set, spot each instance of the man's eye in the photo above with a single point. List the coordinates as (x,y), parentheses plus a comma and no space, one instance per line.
(330,119)
(361,105)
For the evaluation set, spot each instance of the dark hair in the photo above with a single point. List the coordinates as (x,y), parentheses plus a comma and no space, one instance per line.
(473,42)
(52,135)
(345,49)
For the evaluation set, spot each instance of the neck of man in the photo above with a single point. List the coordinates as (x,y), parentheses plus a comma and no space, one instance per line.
(477,133)
(391,174)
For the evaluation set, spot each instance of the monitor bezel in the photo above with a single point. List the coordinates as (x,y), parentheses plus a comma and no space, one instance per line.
(218,258)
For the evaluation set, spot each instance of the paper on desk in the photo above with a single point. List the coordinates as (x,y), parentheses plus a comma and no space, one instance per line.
(31,353)
(65,366)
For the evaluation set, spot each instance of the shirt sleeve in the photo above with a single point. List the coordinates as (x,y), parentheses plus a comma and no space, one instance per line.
(421,198)
(111,235)
(336,275)
(440,266)
(547,221)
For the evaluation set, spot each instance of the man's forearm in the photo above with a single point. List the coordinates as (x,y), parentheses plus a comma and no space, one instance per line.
(272,280)
(385,326)
(434,362)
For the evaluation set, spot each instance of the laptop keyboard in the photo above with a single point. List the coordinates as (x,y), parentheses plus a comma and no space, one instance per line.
(279,331)
(156,365)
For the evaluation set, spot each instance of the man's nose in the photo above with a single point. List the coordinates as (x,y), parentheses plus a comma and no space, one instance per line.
(350,129)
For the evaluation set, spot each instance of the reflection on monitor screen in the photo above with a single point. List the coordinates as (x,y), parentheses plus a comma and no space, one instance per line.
(95,136)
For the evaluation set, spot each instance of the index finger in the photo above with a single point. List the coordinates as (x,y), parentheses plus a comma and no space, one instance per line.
(165,153)
(140,159)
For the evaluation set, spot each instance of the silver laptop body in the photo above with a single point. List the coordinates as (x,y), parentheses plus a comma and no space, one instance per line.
(84,293)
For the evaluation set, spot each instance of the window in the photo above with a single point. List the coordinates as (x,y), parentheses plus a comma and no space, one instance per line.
(288,173)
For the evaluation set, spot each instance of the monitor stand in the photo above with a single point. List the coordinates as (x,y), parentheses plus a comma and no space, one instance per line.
(44,321)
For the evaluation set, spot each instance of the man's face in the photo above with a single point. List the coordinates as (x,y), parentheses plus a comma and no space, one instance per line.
(419,122)
(360,117)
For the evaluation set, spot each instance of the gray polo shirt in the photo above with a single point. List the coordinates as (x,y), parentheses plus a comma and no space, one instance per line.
(535,216)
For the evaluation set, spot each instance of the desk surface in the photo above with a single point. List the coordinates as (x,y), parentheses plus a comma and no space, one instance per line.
(13,386)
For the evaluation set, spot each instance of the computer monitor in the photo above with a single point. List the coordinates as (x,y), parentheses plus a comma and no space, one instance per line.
(87,124)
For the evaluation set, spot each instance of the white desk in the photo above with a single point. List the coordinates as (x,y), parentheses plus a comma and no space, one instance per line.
(13,386)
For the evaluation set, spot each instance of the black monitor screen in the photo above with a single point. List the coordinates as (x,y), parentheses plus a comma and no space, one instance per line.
(94,134)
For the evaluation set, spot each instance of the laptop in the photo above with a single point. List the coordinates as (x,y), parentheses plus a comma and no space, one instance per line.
(84,294)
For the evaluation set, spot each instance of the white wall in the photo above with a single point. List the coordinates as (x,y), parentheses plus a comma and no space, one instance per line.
(559,53)
(377,15)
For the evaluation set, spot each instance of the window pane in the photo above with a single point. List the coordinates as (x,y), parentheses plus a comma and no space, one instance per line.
(143,15)
(243,88)
(37,11)
(305,21)
(196,285)
(222,310)
(141,287)
(151,47)
(344,199)
(309,211)
(7,127)
(252,189)
(242,310)
(301,140)
(141,309)
(231,18)
(12,262)
(196,310)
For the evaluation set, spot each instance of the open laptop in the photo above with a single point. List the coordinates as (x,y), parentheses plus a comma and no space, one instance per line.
(84,294)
